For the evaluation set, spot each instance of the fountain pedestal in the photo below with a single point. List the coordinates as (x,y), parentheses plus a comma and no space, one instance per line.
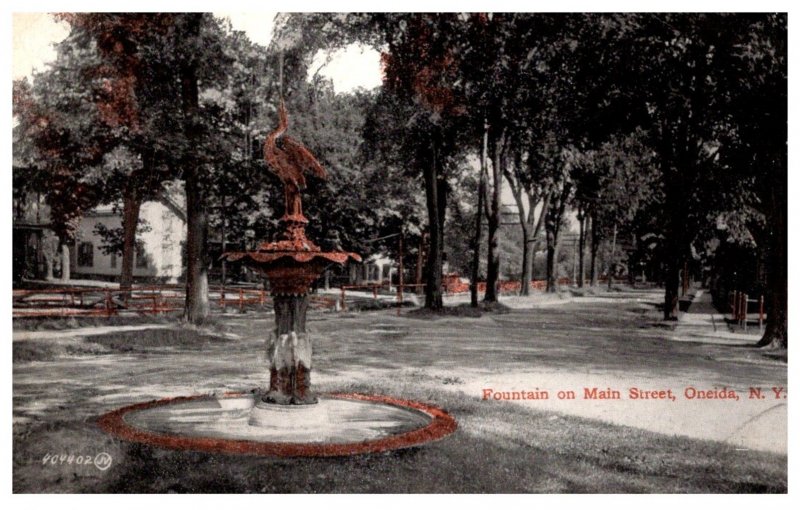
(290,264)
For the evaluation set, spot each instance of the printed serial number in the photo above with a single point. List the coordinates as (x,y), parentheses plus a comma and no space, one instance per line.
(101,461)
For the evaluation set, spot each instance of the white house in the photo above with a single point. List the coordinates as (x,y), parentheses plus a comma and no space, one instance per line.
(375,269)
(159,252)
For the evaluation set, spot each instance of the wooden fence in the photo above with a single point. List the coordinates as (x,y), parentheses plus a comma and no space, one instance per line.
(141,300)
(163,299)
(739,303)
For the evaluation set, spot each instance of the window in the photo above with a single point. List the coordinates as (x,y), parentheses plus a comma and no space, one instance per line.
(86,255)
(141,255)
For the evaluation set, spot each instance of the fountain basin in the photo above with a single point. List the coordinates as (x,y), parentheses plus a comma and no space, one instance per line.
(340,424)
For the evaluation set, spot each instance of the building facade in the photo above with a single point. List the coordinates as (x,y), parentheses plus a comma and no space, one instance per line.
(159,245)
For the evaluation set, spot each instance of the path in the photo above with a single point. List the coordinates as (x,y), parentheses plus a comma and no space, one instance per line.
(66,334)
(537,351)
(759,424)
(613,342)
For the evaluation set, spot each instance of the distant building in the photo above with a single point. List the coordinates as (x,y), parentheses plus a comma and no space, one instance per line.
(34,242)
(159,250)
(375,269)
(29,259)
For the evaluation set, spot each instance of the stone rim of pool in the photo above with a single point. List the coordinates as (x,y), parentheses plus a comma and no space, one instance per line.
(348,424)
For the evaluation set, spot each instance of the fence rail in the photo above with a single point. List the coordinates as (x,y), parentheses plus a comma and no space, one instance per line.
(450,286)
(140,300)
(163,299)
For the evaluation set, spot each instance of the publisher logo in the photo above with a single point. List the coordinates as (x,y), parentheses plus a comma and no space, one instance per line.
(102,461)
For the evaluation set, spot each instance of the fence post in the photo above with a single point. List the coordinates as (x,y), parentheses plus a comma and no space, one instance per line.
(744,312)
(241,300)
(399,297)
(738,308)
(735,306)
(108,303)
(344,304)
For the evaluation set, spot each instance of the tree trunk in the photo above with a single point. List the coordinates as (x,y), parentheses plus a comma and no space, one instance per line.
(593,247)
(672,279)
(476,240)
(675,254)
(611,258)
(493,262)
(476,249)
(535,242)
(131,205)
(224,243)
(552,226)
(527,241)
(433,269)
(421,256)
(525,276)
(526,223)
(48,267)
(197,306)
(673,265)
(631,265)
(551,257)
(775,332)
(581,246)
(65,269)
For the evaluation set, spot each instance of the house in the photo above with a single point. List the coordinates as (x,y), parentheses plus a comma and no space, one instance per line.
(159,247)
(375,269)
(29,260)
(33,241)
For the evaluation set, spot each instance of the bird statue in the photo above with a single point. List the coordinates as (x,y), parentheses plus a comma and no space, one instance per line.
(289,160)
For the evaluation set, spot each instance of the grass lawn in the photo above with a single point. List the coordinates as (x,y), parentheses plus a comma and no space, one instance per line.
(60,387)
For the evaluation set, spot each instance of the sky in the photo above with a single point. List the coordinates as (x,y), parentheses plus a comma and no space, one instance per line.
(34,35)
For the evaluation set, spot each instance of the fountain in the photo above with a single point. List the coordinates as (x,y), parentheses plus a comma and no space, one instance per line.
(288,418)
(290,264)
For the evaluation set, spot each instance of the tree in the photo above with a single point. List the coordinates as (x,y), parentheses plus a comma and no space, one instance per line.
(65,137)
(239,109)
(126,83)
(682,61)
(756,158)
(499,75)
(189,48)
(529,194)
(613,184)
(560,191)
(420,71)
(151,59)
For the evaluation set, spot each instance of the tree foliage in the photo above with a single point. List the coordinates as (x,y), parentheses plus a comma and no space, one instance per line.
(667,129)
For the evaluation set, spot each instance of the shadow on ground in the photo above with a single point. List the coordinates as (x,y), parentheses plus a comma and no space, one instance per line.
(496,449)
(60,388)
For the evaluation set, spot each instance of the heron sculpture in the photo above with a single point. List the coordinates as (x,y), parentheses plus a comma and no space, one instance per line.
(289,160)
